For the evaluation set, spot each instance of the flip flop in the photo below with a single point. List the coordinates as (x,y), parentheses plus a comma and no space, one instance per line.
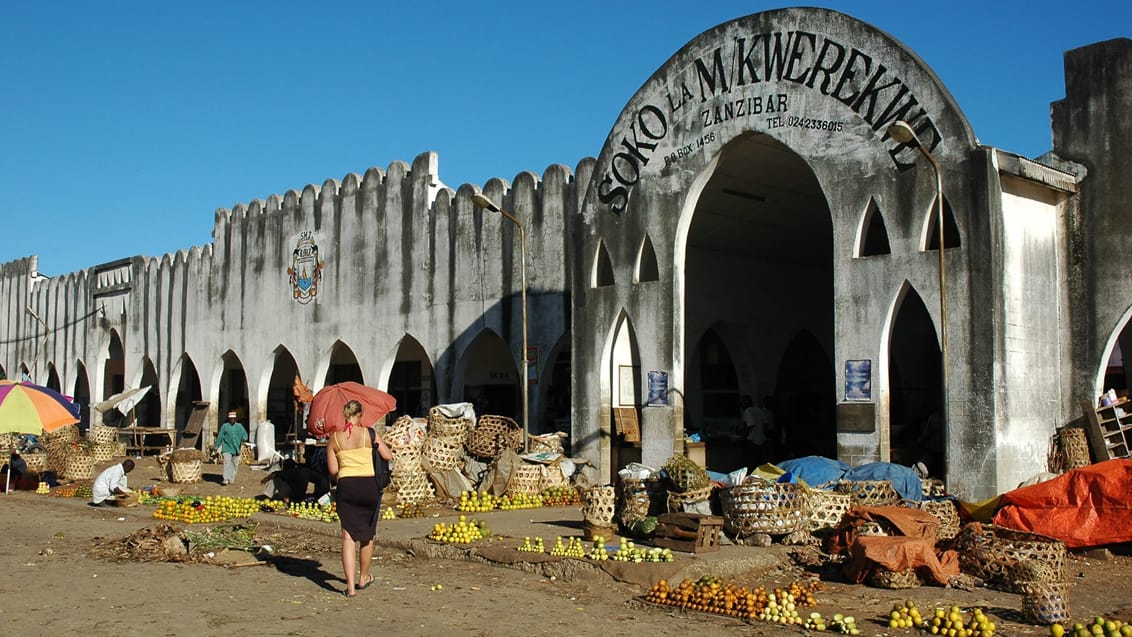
(362,587)
(349,594)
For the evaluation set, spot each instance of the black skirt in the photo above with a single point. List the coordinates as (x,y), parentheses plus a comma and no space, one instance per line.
(358,503)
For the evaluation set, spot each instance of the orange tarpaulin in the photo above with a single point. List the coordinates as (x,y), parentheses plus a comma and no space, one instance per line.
(1084,507)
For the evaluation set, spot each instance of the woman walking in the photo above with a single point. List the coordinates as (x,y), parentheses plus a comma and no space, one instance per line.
(349,456)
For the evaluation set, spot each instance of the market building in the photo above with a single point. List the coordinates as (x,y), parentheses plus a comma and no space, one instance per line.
(749,227)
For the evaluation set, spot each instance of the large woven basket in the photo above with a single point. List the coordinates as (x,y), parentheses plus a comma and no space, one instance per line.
(8,441)
(545,443)
(526,479)
(406,461)
(1045,602)
(445,427)
(69,433)
(78,466)
(442,453)
(184,472)
(101,435)
(947,512)
(639,499)
(36,462)
(679,500)
(553,477)
(402,434)
(684,474)
(247,454)
(869,493)
(598,505)
(492,435)
(413,488)
(765,507)
(103,452)
(827,508)
(992,553)
(1075,446)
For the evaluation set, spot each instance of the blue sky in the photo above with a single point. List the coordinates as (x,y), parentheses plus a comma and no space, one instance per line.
(125,125)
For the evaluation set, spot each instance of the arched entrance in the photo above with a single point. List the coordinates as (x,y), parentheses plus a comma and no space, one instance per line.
(188,392)
(622,394)
(148,411)
(411,380)
(280,408)
(81,395)
(487,378)
(916,427)
(759,260)
(555,380)
(53,378)
(343,366)
(232,390)
(114,377)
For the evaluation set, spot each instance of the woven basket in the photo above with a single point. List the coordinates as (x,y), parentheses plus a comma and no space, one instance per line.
(1045,602)
(413,488)
(101,435)
(492,435)
(247,455)
(765,507)
(869,493)
(684,474)
(933,488)
(525,480)
(678,500)
(444,453)
(126,499)
(119,450)
(545,443)
(78,466)
(406,460)
(598,505)
(103,452)
(8,441)
(182,472)
(827,508)
(947,512)
(68,434)
(445,427)
(553,477)
(639,499)
(992,552)
(399,435)
(882,577)
(36,462)
(1075,446)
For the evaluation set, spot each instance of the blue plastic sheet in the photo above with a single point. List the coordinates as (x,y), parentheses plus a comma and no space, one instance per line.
(903,479)
(814,470)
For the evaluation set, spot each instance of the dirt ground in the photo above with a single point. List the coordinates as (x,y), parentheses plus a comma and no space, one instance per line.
(56,584)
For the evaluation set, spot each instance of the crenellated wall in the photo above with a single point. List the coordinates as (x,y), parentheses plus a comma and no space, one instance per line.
(403,255)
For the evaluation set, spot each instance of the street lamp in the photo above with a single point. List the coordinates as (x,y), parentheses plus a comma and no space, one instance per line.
(902,132)
(483,202)
(35,359)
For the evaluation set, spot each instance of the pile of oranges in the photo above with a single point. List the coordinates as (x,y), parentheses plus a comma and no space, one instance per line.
(712,595)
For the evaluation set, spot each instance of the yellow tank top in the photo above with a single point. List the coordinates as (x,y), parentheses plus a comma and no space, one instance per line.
(355,463)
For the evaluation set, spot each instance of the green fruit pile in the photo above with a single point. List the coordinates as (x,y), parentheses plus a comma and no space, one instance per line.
(1100,627)
(532,547)
(572,548)
(464,531)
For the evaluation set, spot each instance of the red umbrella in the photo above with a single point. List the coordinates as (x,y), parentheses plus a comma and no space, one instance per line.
(326,409)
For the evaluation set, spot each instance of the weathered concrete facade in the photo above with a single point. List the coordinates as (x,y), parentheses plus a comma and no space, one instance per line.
(748,228)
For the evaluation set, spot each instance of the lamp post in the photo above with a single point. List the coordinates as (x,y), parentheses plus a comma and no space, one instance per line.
(483,202)
(902,132)
(35,359)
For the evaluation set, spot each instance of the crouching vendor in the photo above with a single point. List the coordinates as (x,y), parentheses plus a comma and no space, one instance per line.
(111,482)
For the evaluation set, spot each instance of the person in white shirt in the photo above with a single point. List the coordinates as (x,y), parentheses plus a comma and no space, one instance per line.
(110,482)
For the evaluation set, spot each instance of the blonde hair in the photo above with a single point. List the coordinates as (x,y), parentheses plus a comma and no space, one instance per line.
(352,408)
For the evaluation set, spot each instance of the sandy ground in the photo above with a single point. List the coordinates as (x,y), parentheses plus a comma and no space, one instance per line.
(55,586)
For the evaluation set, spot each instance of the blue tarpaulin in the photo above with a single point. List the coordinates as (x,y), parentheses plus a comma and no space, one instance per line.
(814,470)
(904,479)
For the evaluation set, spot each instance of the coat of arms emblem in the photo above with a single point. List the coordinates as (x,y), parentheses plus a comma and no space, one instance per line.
(305,271)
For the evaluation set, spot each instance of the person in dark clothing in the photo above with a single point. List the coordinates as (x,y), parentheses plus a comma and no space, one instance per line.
(290,483)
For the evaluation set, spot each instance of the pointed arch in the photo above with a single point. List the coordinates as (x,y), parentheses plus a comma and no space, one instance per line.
(619,351)
(872,234)
(487,376)
(1114,357)
(341,365)
(646,269)
(114,369)
(81,394)
(275,394)
(148,412)
(930,239)
(805,396)
(913,375)
(602,273)
(3,373)
(230,383)
(554,382)
(52,381)
(184,390)
(407,374)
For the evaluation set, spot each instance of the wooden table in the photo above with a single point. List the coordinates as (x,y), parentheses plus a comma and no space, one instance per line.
(138,435)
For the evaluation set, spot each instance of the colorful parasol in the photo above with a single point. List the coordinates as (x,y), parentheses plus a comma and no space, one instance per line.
(326,409)
(29,408)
